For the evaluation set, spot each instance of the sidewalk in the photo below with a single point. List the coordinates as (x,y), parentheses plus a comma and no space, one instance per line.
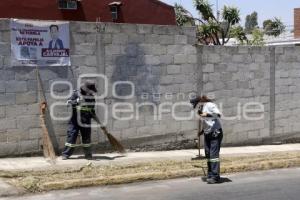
(35,174)
(39,163)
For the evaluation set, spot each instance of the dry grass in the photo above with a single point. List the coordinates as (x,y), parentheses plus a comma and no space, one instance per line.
(89,175)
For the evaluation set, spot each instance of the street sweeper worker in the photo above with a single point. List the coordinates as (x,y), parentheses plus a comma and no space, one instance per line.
(83,110)
(213,135)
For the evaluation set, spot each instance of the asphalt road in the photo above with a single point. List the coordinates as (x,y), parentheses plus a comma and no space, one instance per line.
(281,184)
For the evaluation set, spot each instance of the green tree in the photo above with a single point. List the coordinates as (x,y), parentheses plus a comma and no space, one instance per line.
(273,27)
(183,17)
(210,29)
(251,22)
(257,38)
(239,34)
(266,23)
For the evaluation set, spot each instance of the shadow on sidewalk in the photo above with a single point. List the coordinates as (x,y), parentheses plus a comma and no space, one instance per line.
(98,158)
(199,157)
(222,180)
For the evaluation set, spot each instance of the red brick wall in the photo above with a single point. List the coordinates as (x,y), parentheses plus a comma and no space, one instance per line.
(297,22)
(133,11)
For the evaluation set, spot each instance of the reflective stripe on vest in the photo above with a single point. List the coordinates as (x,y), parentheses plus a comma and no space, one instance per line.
(214,160)
(85,109)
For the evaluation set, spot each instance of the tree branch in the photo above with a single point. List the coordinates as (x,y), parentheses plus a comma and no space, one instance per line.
(213,39)
(201,21)
(217,38)
(226,33)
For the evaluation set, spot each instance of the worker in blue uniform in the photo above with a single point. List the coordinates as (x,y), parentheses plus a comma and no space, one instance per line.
(213,135)
(83,111)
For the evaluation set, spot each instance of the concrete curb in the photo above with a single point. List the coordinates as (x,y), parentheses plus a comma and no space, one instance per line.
(89,175)
(7,190)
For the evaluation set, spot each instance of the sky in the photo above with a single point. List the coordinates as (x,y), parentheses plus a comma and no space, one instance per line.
(266,9)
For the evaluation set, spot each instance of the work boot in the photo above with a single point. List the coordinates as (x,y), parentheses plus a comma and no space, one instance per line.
(211,181)
(204,179)
(89,157)
(64,157)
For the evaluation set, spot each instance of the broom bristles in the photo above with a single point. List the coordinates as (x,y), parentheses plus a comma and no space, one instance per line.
(113,141)
(48,149)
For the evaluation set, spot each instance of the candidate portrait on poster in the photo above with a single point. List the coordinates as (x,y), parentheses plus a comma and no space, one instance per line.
(40,43)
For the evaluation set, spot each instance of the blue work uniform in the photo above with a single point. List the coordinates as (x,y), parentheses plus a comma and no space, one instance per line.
(213,135)
(83,110)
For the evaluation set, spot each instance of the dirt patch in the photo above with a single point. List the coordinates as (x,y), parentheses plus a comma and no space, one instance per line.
(89,175)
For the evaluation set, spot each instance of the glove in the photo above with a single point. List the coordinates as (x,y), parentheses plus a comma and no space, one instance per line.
(78,100)
(68,102)
(200,133)
(216,133)
(200,112)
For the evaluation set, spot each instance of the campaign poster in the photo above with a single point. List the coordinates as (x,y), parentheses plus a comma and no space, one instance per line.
(40,43)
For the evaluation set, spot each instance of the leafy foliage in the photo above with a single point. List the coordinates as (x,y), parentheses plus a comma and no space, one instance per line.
(273,27)
(205,9)
(239,33)
(251,22)
(231,15)
(267,23)
(257,37)
(210,29)
(183,17)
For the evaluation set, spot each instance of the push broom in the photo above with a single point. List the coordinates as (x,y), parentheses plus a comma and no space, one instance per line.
(112,140)
(50,144)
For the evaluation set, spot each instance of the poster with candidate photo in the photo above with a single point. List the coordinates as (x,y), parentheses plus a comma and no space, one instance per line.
(40,43)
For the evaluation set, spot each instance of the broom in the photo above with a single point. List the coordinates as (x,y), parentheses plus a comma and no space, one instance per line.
(112,140)
(50,145)
(47,144)
(200,129)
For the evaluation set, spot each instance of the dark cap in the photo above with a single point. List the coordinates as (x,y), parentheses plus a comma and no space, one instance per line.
(89,87)
(200,99)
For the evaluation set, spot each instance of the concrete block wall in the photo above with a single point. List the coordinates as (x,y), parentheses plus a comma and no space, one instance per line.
(19,109)
(157,59)
(237,76)
(163,62)
(287,107)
